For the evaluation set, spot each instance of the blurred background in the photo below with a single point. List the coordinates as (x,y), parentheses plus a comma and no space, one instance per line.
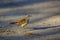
(44,20)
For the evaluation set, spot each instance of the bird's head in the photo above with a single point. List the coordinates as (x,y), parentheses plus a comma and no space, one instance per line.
(28,16)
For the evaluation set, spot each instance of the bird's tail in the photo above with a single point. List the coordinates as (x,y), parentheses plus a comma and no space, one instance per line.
(13,22)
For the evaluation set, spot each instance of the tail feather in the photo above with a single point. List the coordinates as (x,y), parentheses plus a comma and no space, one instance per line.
(13,23)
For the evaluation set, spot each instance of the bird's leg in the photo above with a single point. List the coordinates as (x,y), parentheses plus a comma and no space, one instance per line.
(24,30)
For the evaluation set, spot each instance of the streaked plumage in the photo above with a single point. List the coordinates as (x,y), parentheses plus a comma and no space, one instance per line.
(23,22)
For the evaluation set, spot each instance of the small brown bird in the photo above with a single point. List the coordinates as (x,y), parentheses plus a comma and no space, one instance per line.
(23,22)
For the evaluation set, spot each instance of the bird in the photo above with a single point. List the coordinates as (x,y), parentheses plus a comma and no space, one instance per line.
(23,22)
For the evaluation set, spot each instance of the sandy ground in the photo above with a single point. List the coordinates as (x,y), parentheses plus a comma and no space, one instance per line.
(44,23)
